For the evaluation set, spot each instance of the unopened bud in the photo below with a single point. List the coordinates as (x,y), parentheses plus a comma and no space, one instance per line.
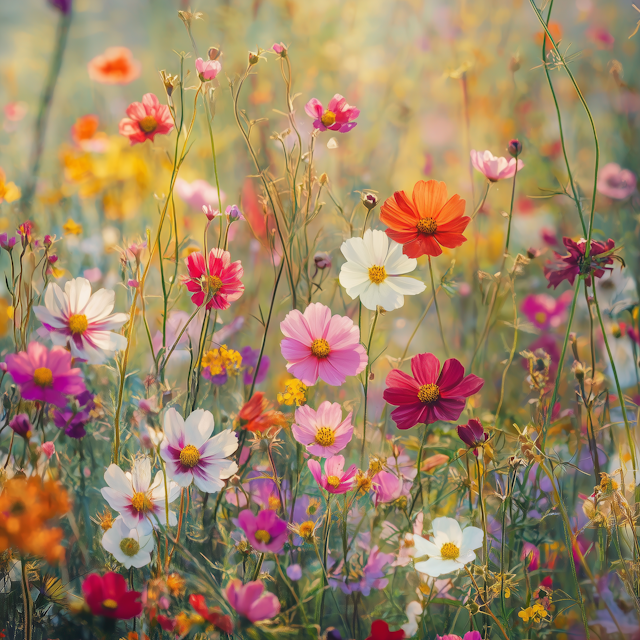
(578,370)
(369,200)
(323,179)
(322,260)
(214,53)
(254,58)
(235,481)
(515,147)
(514,63)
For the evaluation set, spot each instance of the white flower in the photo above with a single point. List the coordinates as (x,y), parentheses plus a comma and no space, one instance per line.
(138,501)
(413,611)
(76,318)
(192,456)
(451,549)
(127,545)
(374,269)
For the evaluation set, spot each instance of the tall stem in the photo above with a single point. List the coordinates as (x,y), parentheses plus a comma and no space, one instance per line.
(435,300)
(366,384)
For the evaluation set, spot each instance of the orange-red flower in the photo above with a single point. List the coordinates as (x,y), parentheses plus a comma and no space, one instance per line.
(257,415)
(115,66)
(427,221)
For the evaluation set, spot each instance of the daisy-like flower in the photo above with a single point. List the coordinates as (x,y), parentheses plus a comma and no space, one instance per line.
(375,270)
(220,285)
(337,117)
(128,545)
(146,120)
(192,456)
(317,345)
(494,168)
(544,311)
(334,479)
(139,501)
(451,548)
(323,432)
(427,221)
(615,182)
(431,394)
(266,532)
(45,375)
(83,321)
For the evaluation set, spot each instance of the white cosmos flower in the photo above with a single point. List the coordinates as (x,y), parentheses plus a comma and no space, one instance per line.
(83,321)
(127,545)
(375,270)
(191,455)
(451,548)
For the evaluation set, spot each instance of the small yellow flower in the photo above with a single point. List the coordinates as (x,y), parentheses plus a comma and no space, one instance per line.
(223,359)
(295,392)
(72,228)
(8,190)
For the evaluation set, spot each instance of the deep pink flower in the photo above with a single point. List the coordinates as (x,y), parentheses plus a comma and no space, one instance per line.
(431,394)
(494,168)
(146,119)
(6,242)
(616,182)
(207,69)
(337,117)
(323,432)
(250,601)
(530,556)
(266,532)
(45,375)
(317,345)
(470,635)
(601,37)
(108,596)
(21,425)
(472,434)
(222,284)
(544,311)
(334,479)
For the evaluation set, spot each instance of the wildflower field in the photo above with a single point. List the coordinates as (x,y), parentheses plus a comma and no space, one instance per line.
(319,320)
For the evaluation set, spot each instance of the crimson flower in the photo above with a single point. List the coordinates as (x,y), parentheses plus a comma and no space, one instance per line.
(108,596)
(380,631)
(214,615)
(472,434)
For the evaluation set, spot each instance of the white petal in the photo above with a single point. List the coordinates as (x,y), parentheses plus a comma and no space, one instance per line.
(425,547)
(397,262)
(390,299)
(377,243)
(56,301)
(141,475)
(115,477)
(406,286)
(435,567)
(198,427)
(100,305)
(447,530)
(221,445)
(355,251)
(173,427)
(371,297)
(472,538)
(78,291)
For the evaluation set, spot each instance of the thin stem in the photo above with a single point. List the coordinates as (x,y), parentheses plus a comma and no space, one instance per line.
(419,474)
(435,300)
(486,604)
(366,383)
(422,317)
(513,348)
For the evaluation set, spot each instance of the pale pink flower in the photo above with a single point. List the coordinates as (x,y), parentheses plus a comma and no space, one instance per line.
(337,117)
(250,601)
(615,182)
(323,432)
(48,448)
(387,487)
(198,194)
(334,479)
(493,168)
(208,69)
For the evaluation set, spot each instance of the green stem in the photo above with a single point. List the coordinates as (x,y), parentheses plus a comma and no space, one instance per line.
(366,383)
(435,300)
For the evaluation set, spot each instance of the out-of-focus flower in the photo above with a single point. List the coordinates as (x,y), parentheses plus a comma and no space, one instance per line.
(470,635)
(76,415)
(129,546)
(115,66)
(25,231)
(84,128)
(530,556)
(615,182)
(387,487)
(555,28)
(431,394)
(250,601)
(63,6)
(601,37)
(334,479)
(364,576)
(21,425)
(219,364)
(472,434)
(295,393)
(544,311)
(48,448)
(192,456)
(212,615)
(375,271)
(413,612)
(207,69)
(249,361)
(45,375)
(233,213)
(257,414)
(280,49)
(318,345)
(266,532)
(494,168)
(220,285)
(323,432)
(339,115)
(6,242)
(72,228)
(451,548)
(9,192)
(426,222)
(108,596)
(380,631)
(83,321)
(322,260)
(198,194)
(146,120)
(294,572)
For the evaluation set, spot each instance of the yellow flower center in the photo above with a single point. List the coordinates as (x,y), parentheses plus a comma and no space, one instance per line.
(189,456)
(213,285)
(608,484)
(141,502)
(274,503)
(78,323)
(320,348)
(306,529)
(377,274)
(129,547)
(427,225)
(449,551)
(43,377)
(325,437)
(428,393)
(148,124)
(328,118)
(109,604)
(334,481)
(541,317)
(263,536)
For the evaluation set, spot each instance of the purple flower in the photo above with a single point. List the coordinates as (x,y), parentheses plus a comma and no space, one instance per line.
(387,487)
(249,360)
(294,571)
(64,6)
(6,242)
(75,416)
(472,434)
(233,213)
(266,532)
(22,425)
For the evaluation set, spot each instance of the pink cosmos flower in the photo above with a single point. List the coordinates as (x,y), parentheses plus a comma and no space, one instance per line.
(45,375)
(317,345)
(544,311)
(208,69)
(530,556)
(334,479)
(494,168)
(337,117)
(266,532)
(146,119)
(250,601)
(470,635)
(431,394)
(323,432)
(221,285)
(615,182)
(387,487)
(199,194)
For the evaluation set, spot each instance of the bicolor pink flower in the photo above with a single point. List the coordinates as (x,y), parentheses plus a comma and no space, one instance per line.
(338,116)
(615,182)
(494,168)
(207,69)
(430,395)
(199,194)
(146,120)
(323,432)
(472,434)
(43,375)
(250,601)
(266,532)
(317,345)
(221,285)
(334,479)
(530,556)
(544,311)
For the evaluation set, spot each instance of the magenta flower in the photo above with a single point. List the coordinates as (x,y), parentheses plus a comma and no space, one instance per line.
(21,425)
(250,601)
(337,117)
(266,532)
(207,69)
(472,434)
(615,182)
(544,311)
(280,49)
(387,487)
(431,394)
(334,479)
(317,345)
(470,635)
(6,242)
(323,432)
(493,168)
(530,556)
(45,375)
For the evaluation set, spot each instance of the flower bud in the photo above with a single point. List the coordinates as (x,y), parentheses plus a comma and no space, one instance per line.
(616,331)
(369,200)
(48,241)
(233,213)
(280,49)
(210,212)
(514,63)
(323,179)
(53,258)
(322,260)
(48,448)
(22,425)
(254,58)
(214,53)
(578,370)
(515,147)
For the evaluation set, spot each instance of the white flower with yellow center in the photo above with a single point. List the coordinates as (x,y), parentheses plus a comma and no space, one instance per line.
(128,546)
(375,271)
(450,550)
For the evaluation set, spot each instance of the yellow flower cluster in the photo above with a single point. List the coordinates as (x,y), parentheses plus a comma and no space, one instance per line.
(294,391)
(536,613)
(223,359)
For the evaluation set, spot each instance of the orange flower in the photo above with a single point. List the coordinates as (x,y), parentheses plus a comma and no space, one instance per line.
(257,415)
(556,33)
(115,66)
(427,221)
(84,128)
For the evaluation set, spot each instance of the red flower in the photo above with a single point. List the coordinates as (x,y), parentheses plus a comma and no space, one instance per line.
(257,414)
(472,434)
(431,394)
(380,631)
(108,596)
(213,615)
(146,119)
